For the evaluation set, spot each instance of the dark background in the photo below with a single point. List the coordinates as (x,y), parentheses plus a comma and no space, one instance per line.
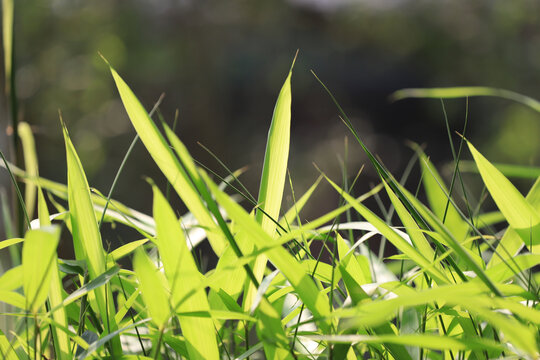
(222,63)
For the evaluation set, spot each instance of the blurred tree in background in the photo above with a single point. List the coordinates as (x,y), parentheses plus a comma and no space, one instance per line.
(221,64)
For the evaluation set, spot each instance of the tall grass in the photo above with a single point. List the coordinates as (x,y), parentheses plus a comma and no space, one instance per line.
(454,288)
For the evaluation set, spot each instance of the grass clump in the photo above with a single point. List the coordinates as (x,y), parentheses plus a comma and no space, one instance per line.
(458,291)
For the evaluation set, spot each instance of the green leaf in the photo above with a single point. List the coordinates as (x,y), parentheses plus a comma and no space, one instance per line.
(315,300)
(379,312)
(125,250)
(436,192)
(434,342)
(183,275)
(400,243)
(511,242)
(518,212)
(86,236)
(7,32)
(60,338)
(13,298)
(12,279)
(271,332)
(273,175)
(9,242)
(163,156)
(30,164)
(468,91)
(153,293)
(6,350)
(38,261)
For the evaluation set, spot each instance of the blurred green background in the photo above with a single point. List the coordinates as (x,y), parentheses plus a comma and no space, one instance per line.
(222,63)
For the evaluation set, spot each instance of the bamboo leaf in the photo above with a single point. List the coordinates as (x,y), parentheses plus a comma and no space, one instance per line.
(183,275)
(273,175)
(39,253)
(30,164)
(518,212)
(163,156)
(86,236)
(153,293)
(315,300)
(466,91)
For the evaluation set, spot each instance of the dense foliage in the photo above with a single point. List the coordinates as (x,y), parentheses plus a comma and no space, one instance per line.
(282,287)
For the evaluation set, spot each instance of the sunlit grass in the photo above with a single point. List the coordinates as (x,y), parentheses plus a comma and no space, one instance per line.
(453,288)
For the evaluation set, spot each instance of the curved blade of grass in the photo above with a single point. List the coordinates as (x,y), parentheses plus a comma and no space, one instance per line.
(434,342)
(153,293)
(306,289)
(379,312)
(183,274)
(163,156)
(12,279)
(6,350)
(96,345)
(271,332)
(436,192)
(7,34)
(39,253)
(86,236)
(61,339)
(13,298)
(511,243)
(97,283)
(16,186)
(415,233)
(467,91)
(518,212)
(273,175)
(30,164)
(9,242)
(508,170)
(391,235)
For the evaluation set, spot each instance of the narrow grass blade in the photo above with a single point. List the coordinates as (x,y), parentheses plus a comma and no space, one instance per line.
(517,333)
(436,192)
(462,92)
(6,350)
(165,159)
(518,212)
(508,170)
(86,237)
(13,298)
(153,293)
(183,275)
(271,332)
(9,242)
(7,33)
(125,250)
(273,175)
(415,233)
(96,345)
(12,279)
(400,243)
(511,242)
(427,341)
(39,253)
(315,300)
(60,338)
(30,164)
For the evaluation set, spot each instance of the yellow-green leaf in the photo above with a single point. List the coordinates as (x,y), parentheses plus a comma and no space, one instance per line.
(163,156)
(152,291)
(518,212)
(39,254)
(183,276)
